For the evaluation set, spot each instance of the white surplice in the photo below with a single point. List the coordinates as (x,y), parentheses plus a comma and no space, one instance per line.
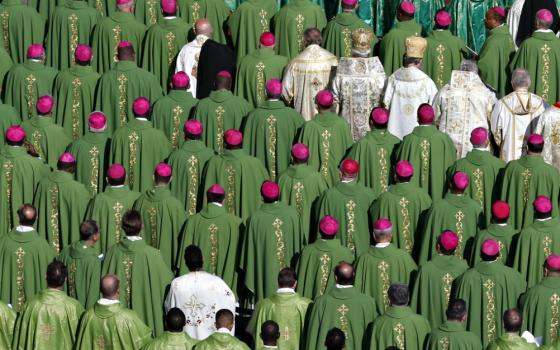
(461,106)
(200,295)
(513,120)
(187,60)
(548,126)
(357,89)
(407,88)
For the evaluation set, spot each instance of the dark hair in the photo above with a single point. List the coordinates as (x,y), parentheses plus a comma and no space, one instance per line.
(546,215)
(193,258)
(116,182)
(12,143)
(223,82)
(215,197)
(485,257)
(64,166)
(343,277)
(270,331)
(27,214)
(335,340)
(456,309)
(158,179)
(56,274)
(398,294)
(192,137)
(224,316)
(411,60)
(125,53)
(404,178)
(132,223)
(512,320)
(287,277)
(499,221)
(88,228)
(312,36)
(270,95)
(535,148)
(175,320)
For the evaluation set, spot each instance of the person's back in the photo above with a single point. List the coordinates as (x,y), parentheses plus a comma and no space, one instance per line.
(511,340)
(173,337)
(22,26)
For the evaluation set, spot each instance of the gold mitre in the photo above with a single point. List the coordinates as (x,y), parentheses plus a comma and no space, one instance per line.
(415,46)
(362,39)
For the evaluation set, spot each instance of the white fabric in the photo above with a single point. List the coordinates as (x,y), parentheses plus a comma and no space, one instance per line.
(382,245)
(224,331)
(548,126)
(340,286)
(200,295)
(407,88)
(21,228)
(133,238)
(105,301)
(187,60)
(461,106)
(285,291)
(513,18)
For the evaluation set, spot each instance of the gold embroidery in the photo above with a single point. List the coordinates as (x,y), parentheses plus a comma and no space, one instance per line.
(383,268)
(264,20)
(30,94)
(286,333)
(152,216)
(383,173)
(76,108)
(546,246)
(46,331)
(526,177)
(193,185)
(72,279)
(490,310)
(554,317)
(220,111)
(440,66)
(447,279)
(20,277)
(94,176)
(325,272)
(177,111)
(127,262)
(99,7)
(195,8)
(272,144)
(123,86)
(555,134)
(350,225)
(213,229)
(347,42)
(5,15)
(459,216)
(117,215)
(171,49)
(230,170)
(280,246)
(54,218)
(299,30)
(36,142)
(406,224)
(343,319)
(117,31)
(74,35)
(151,9)
(132,158)
(260,82)
(545,71)
(399,335)
(444,342)
(425,154)
(100,342)
(326,135)
(479,187)
(8,175)
(298,187)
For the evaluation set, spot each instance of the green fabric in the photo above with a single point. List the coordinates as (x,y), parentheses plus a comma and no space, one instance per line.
(84,272)
(457,213)
(440,153)
(113,325)
(432,287)
(510,342)
(392,49)
(7,63)
(48,321)
(221,341)
(273,240)
(171,341)
(31,263)
(163,218)
(139,148)
(375,171)
(344,308)
(188,163)
(452,335)
(107,209)
(328,137)
(47,138)
(45,7)
(74,91)
(538,306)
(495,55)
(62,202)
(269,133)
(7,322)
(378,268)
(70,25)
(241,176)
(119,87)
(468,20)
(425,13)
(443,55)
(505,235)
(289,311)
(405,205)
(348,202)
(337,35)
(215,11)
(170,113)
(219,112)
(400,327)
(553,346)
(524,180)
(489,289)
(25,82)
(289,37)
(25,27)
(108,33)
(254,70)
(316,266)
(144,279)
(91,152)
(9,117)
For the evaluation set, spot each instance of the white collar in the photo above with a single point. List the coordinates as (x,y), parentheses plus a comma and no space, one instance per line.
(142,119)
(133,238)
(170,17)
(117,186)
(218,204)
(543,31)
(544,219)
(502,224)
(34,60)
(270,347)
(339,286)
(382,245)
(22,228)
(285,291)
(105,301)
(273,99)
(347,180)
(223,330)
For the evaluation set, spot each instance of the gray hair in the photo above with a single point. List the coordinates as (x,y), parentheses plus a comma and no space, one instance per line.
(469,66)
(126,6)
(520,78)
(383,233)
(542,24)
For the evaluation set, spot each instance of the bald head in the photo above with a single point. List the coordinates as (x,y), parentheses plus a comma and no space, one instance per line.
(344,273)
(224,319)
(110,287)
(512,321)
(27,215)
(203,26)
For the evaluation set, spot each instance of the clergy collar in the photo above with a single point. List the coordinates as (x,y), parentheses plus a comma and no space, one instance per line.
(133,238)
(270,347)
(22,228)
(117,186)
(347,180)
(223,330)
(543,31)
(285,291)
(545,219)
(142,119)
(503,224)
(169,17)
(382,245)
(35,60)
(105,301)
(273,99)
(340,286)
(217,204)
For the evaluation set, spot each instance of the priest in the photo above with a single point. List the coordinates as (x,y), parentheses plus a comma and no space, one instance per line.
(7,322)
(215,12)
(174,336)
(24,26)
(213,58)
(9,117)
(511,339)
(223,337)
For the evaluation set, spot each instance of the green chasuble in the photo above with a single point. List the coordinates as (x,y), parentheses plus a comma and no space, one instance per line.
(489,289)
(494,58)
(404,204)
(432,287)
(241,176)
(216,11)
(162,43)
(484,171)
(511,342)
(188,163)
(468,20)
(170,113)
(73,92)
(337,35)
(553,346)
(107,209)
(524,180)
(119,87)
(290,23)
(21,27)
(539,306)
(443,55)
(392,48)
(47,138)
(286,308)
(144,279)
(220,340)
(139,148)
(19,175)
(425,12)
(270,130)
(70,25)
(452,335)
(344,308)
(540,55)
(535,243)
(9,117)
(328,137)
(84,272)
(91,152)
(458,213)
(300,186)
(25,82)
(431,153)
(246,24)
(316,266)
(348,202)
(24,257)
(254,70)
(399,327)
(62,203)
(48,321)
(7,321)
(163,216)
(379,267)
(273,240)
(217,233)
(171,341)
(108,33)
(506,237)
(114,326)
(7,63)
(375,152)
(219,112)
